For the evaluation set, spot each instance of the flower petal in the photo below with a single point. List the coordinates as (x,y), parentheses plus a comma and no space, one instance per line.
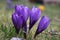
(34,16)
(17,21)
(19,9)
(20,17)
(22,10)
(26,13)
(43,24)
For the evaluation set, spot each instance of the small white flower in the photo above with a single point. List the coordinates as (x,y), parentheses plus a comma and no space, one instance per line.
(15,38)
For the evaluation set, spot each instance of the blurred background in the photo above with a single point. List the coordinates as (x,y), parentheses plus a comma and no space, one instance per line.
(50,8)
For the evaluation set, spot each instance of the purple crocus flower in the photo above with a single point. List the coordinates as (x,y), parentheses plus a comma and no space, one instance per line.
(17,21)
(43,24)
(19,17)
(22,10)
(34,16)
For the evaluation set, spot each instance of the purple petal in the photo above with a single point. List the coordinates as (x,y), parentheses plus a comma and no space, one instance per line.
(43,24)
(17,21)
(20,17)
(26,13)
(34,16)
(25,16)
(19,9)
(22,10)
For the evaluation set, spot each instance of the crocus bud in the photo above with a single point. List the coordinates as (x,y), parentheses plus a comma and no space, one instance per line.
(20,16)
(17,21)
(34,16)
(43,24)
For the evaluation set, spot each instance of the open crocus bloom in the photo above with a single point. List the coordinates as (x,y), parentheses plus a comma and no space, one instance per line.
(43,24)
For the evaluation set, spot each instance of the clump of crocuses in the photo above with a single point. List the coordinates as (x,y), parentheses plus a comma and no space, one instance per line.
(21,15)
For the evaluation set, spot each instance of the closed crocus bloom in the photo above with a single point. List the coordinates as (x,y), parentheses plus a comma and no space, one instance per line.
(26,12)
(34,16)
(22,10)
(43,24)
(17,21)
(20,17)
